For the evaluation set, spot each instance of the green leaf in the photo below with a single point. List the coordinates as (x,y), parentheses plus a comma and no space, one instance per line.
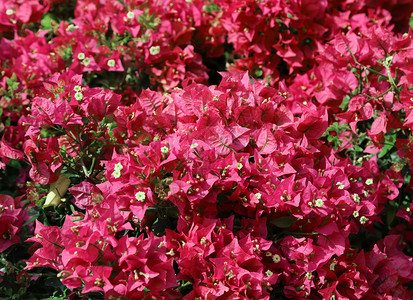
(85,120)
(344,104)
(31,220)
(357,148)
(48,131)
(390,140)
(258,73)
(212,7)
(47,22)
(390,214)
(283,222)
(381,78)
(12,83)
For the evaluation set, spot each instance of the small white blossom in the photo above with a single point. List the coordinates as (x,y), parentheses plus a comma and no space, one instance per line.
(144,275)
(268,273)
(9,12)
(258,195)
(140,196)
(77,88)
(86,61)
(165,149)
(118,167)
(276,258)
(171,252)
(319,203)
(239,166)
(355,214)
(130,15)
(78,96)
(111,63)
(340,185)
(356,198)
(363,220)
(81,56)
(71,27)
(154,50)
(194,145)
(116,173)
(369,181)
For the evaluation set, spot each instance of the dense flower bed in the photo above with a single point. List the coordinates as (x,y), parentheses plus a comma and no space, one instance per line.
(197,149)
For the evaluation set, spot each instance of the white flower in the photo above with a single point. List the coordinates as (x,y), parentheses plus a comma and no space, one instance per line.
(165,149)
(369,181)
(77,88)
(340,185)
(355,213)
(9,12)
(194,145)
(130,15)
(111,63)
(140,196)
(86,61)
(71,27)
(172,252)
(154,50)
(258,195)
(268,273)
(319,203)
(78,96)
(356,198)
(363,220)
(276,258)
(239,166)
(118,167)
(81,56)
(116,173)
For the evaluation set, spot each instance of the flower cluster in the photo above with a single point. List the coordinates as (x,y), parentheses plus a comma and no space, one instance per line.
(141,172)
(12,217)
(207,159)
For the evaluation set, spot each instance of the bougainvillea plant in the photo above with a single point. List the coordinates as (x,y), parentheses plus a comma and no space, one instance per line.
(206,149)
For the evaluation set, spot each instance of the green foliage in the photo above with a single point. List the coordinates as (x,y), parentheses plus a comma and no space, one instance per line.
(332,133)
(211,7)
(283,222)
(47,22)
(389,144)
